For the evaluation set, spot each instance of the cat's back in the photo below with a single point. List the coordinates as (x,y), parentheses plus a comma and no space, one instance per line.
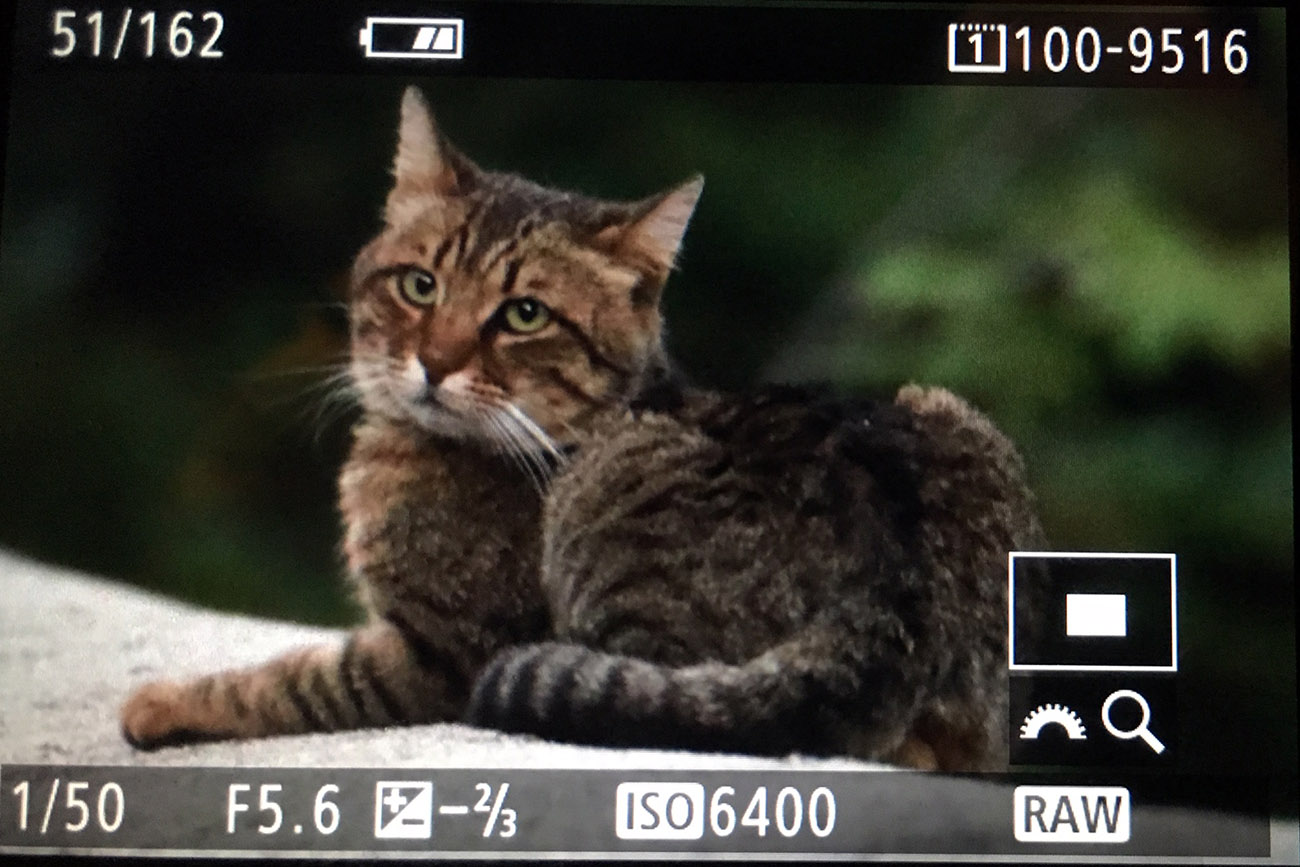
(926,456)
(974,474)
(757,512)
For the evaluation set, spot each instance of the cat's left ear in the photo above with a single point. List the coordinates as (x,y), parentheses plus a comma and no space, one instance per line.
(654,228)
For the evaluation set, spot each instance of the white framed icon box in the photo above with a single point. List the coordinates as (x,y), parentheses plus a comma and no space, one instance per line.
(1092,612)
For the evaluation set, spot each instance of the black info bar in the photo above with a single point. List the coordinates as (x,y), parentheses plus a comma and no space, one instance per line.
(718,813)
(793,42)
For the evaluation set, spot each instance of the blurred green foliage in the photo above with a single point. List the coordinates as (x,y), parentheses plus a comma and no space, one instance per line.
(1104,272)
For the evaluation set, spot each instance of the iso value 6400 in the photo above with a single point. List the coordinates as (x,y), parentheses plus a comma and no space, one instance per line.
(685,811)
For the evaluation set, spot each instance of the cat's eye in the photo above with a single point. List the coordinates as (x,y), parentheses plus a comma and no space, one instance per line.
(418,287)
(525,315)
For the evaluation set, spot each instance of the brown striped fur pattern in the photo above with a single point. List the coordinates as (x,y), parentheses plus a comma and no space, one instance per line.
(551,534)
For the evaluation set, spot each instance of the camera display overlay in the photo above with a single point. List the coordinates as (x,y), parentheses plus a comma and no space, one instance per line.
(553,430)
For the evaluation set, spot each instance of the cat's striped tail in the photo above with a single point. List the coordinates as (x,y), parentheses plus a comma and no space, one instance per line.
(780,702)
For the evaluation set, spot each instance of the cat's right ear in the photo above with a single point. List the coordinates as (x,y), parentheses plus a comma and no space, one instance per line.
(651,231)
(426,164)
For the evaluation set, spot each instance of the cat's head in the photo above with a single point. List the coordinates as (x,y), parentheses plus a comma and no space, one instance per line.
(491,308)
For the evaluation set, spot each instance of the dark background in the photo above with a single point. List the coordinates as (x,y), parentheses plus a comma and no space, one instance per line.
(1105,272)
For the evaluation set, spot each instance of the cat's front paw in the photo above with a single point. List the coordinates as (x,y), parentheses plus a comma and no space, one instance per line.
(155,716)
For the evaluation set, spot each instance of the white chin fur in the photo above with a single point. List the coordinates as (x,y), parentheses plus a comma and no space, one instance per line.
(402,395)
(444,422)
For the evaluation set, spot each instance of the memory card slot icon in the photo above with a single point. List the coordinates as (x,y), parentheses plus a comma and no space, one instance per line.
(414,38)
(969,52)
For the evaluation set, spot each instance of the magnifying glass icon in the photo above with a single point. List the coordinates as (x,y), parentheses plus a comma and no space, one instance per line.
(1138,731)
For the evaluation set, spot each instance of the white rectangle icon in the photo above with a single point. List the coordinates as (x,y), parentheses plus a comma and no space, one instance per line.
(403,810)
(1014,665)
(1072,814)
(1099,615)
(414,38)
(659,811)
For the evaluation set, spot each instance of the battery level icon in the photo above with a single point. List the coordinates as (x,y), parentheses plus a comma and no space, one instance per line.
(414,38)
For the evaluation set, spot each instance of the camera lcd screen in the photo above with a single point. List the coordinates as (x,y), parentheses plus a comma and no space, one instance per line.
(606,430)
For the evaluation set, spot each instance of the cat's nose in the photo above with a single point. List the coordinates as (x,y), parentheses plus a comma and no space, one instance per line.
(437,368)
(447,347)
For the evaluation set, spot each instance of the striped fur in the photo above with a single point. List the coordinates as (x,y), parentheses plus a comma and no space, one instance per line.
(795,575)
(550,533)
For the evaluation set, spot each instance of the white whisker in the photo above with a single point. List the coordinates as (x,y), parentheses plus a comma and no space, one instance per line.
(332,368)
(507,438)
(533,430)
(538,467)
(332,399)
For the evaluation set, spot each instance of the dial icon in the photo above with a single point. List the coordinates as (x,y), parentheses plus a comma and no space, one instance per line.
(1053,714)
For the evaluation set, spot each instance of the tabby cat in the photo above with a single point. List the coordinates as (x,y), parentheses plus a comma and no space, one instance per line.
(552,533)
